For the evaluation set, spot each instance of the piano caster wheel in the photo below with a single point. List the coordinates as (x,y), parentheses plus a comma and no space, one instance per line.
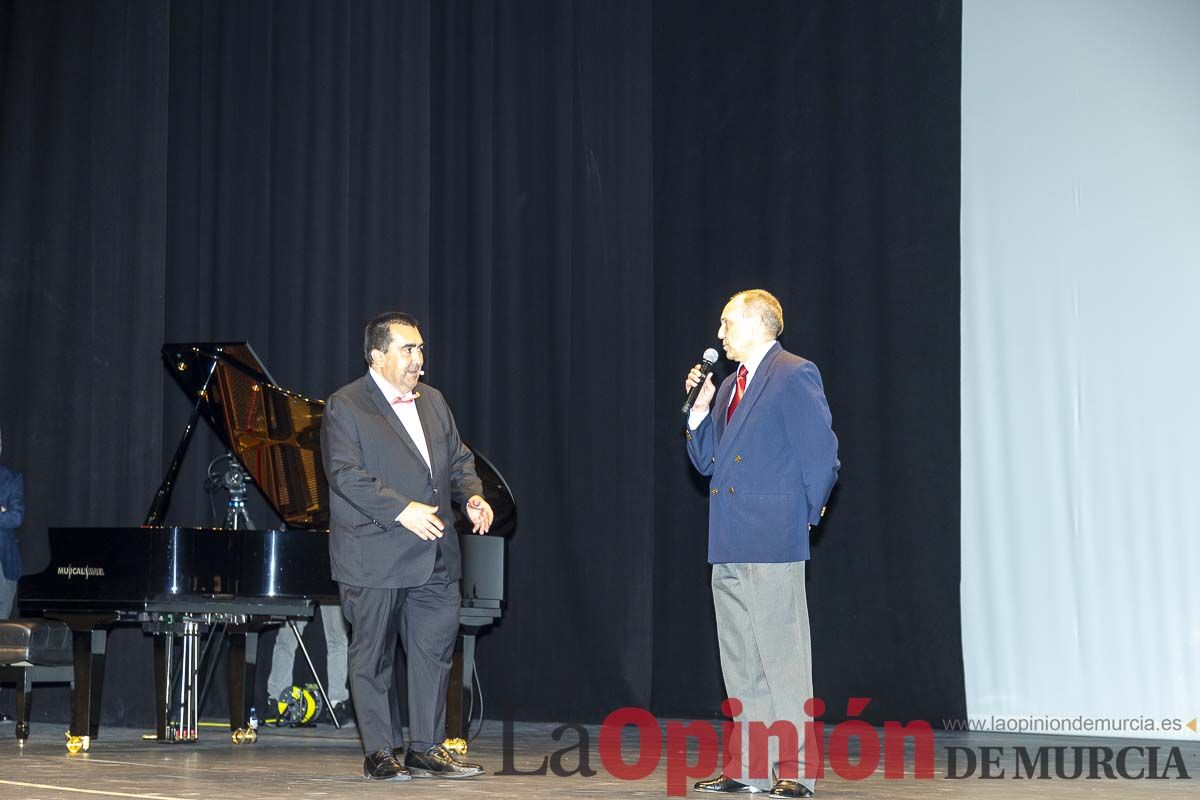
(456,746)
(245,736)
(77,743)
(22,732)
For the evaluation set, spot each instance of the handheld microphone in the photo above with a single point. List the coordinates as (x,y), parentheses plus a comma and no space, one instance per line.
(706,364)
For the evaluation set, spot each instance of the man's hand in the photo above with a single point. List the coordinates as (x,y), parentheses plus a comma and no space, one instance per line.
(422,520)
(480,514)
(704,399)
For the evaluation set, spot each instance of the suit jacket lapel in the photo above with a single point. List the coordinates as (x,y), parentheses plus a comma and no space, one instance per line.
(425,412)
(385,408)
(720,406)
(758,385)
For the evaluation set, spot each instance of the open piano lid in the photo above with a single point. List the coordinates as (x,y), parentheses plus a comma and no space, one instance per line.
(276,433)
(273,432)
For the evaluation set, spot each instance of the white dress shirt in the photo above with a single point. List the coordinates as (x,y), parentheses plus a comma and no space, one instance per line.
(754,358)
(406,412)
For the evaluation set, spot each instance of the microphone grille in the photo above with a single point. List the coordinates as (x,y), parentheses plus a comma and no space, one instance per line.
(710,355)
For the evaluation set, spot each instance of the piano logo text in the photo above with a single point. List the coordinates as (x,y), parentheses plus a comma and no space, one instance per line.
(85,572)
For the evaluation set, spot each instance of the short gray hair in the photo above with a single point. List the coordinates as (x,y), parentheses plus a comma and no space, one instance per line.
(764,305)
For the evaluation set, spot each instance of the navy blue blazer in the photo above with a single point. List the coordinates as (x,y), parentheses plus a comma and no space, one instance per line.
(773,466)
(12,497)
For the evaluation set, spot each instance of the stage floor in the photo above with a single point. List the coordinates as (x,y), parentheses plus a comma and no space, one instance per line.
(325,763)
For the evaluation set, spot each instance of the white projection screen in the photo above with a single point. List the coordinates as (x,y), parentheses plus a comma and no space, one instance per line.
(1081,366)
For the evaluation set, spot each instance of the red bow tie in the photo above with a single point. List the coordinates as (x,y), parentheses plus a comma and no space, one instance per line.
(405,398)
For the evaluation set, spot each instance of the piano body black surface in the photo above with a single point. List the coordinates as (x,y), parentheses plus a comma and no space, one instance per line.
(176,564)
(172,580)
(176,580)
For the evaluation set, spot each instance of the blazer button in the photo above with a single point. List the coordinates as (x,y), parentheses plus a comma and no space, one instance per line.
(714,491)
(731,490)
(737,458)
(714,459)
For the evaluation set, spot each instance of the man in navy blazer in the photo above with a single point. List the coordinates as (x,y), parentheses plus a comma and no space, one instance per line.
(12,513)
(771,453)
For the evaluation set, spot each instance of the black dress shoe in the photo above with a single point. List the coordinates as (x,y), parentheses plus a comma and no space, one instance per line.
(436,762)
(790,789)
(383,766)
(723,784)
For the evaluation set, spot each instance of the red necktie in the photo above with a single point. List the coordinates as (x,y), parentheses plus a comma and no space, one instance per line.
(737,393)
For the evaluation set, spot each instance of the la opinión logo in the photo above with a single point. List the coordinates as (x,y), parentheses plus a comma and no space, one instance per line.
(1065,763)
(705,738)
(693,749)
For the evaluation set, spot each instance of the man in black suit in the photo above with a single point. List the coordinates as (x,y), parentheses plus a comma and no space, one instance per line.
(394,462)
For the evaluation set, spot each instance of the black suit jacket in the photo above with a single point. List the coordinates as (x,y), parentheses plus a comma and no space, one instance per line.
(375,470)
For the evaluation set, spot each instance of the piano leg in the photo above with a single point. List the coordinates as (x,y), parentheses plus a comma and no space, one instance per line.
(89,647)
(458,693)
(468,669)
(99,650)
(454,698)
(243,664)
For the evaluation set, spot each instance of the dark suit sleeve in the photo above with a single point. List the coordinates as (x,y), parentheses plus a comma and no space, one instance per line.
(810,432)
(14,500)
(347,472)
(464,482)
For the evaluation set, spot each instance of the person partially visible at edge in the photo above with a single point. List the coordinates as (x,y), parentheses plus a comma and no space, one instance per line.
(765,439)
(394,462)
(281,679)
(12,514)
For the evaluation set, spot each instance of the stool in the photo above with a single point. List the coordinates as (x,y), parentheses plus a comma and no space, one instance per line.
(34,651)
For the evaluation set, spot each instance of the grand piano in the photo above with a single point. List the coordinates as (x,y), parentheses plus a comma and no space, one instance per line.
(181,582)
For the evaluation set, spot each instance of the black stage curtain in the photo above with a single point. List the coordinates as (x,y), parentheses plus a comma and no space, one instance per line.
(813,149)
(83,153)
(564,194)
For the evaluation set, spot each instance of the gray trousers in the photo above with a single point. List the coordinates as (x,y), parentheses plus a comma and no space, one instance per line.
(283,658)
(425,618)
(766,658)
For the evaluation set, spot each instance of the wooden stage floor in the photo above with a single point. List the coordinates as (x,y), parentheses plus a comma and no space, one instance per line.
(325,763)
